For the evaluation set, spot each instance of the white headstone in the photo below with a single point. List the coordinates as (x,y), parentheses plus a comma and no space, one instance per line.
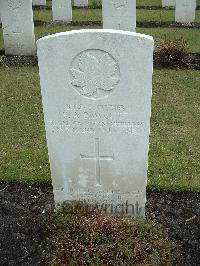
(185,10)
(18,28)
(81,3)
(166,3)
(39,2)
(96,90)
(62,10)
(119,14)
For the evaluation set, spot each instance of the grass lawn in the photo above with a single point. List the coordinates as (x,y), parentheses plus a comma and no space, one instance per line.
(159,34)
(174,144)
(138,2)
(96,14)
(174,160)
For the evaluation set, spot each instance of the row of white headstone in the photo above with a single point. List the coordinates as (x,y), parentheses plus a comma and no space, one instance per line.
(121,14)
(184,9)
(78,3)
(18,28)
(116,14)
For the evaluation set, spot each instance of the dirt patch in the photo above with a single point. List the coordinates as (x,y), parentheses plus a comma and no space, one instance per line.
(156,24)
(17,61)
(159,8)
(179,213)
(39,23)
(23,229)
(193,61)
(148,24)
(24,223)
(42,7)
(100,7)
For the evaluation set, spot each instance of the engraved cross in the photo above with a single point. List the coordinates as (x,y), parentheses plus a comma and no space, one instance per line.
(97,159)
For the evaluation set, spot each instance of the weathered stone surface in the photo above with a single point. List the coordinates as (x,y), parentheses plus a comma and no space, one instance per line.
(39,3)
(166,3)
(81,3)
(18,28)
(96,90)
(185,10)
(62,10)
(119,14)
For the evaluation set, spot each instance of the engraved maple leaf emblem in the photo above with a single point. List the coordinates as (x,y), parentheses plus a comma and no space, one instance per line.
(94,74)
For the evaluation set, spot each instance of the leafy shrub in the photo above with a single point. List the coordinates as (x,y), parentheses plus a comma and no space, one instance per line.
(83,236)
(173,53)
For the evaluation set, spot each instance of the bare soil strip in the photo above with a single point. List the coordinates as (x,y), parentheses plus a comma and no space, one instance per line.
(24,218)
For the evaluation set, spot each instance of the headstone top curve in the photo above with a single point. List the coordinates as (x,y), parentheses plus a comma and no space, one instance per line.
(74,32)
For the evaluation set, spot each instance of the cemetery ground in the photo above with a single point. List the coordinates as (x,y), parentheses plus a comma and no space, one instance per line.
(174,159)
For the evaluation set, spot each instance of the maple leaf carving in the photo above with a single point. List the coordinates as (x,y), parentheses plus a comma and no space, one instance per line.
(94,74)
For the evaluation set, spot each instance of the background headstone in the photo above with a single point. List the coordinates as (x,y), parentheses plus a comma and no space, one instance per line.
(62,10)
(18,28)
(119,14)
(166,3)
(39,2)
(185,10)
(96,90)
(81,3)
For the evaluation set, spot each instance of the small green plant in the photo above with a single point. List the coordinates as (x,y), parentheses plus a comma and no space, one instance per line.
(95,4)
(84,236)
(173,53)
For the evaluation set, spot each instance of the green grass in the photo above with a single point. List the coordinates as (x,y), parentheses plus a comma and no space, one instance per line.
(154,2)
(174,159)
(192,36)
(96,14)
(159,34)
(174,150)
(23,147)
(149,2)
(42,31)
(138,2)
(160,15)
